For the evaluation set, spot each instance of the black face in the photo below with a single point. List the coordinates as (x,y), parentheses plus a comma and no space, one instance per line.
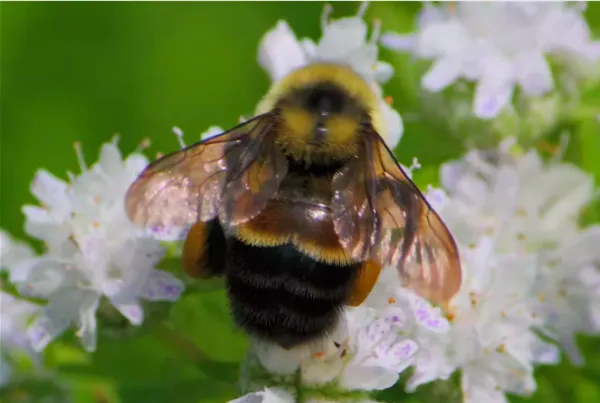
(324,100)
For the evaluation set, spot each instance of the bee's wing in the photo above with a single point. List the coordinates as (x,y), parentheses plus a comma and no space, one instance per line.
(231,176)
(380,214)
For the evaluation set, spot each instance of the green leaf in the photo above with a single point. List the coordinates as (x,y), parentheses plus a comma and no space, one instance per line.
(205,320)
(193,391)
(33,388)
(589,138)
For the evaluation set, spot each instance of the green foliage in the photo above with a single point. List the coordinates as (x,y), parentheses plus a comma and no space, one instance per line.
(82,72)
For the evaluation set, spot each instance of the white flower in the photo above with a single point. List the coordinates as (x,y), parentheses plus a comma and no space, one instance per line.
(367,352)
(526,203)
(14,316)
(532,207)
(93,251)
(492,331)
(344,41)
(12,254)
(267,395)
(50,220)
(498,45)
(567,290)
(421,322)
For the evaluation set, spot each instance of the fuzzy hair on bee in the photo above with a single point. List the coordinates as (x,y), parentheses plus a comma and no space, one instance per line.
(299,209)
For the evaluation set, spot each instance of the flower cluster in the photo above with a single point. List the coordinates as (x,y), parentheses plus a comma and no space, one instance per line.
(530,271)
(499,45)
(367,353)
(91,250)
(344,42)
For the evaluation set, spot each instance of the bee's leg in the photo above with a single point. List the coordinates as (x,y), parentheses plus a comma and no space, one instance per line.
(204,250)
(364,283)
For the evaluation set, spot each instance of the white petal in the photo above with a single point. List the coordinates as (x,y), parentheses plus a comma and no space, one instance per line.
(569,345)
(135,163)
(576,192)
(399,42)
(87,322)
(504,191)
(211,132)
(15,257)
(362,59)
(546,353)
(62,309)
(442,73)
(368,378)
(309,47)
(437,198)
(430,14)
(50,190)
(567,32)
(442,38)
(46,277)
(478,388)
(383,72)
(43,331)
(491,97)
(583,249)
(495,87)
(267,395)
(341,37)
(394,125)
(276,359)
(20,271)
(13,250)
(427,316)
(45,225)
(279,52)
(319,372)
(110,160)
(131,264)
(168,233)
(133,312)
(451,173)
(533,73)
(430,364)
(162,286)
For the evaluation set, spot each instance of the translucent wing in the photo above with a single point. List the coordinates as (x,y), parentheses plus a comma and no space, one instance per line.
(380,214)
(230,176)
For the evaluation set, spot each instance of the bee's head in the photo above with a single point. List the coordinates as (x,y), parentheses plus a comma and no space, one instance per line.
(322,111)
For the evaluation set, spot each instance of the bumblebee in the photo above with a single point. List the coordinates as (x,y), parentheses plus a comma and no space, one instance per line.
(299,208)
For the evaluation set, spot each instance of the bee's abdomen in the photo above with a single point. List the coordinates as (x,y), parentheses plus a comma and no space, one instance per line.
(282,295)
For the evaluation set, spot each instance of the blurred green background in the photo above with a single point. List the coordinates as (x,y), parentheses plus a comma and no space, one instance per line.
(86,71)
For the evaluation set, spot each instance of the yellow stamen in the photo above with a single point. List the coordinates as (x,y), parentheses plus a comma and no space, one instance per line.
(319,355)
